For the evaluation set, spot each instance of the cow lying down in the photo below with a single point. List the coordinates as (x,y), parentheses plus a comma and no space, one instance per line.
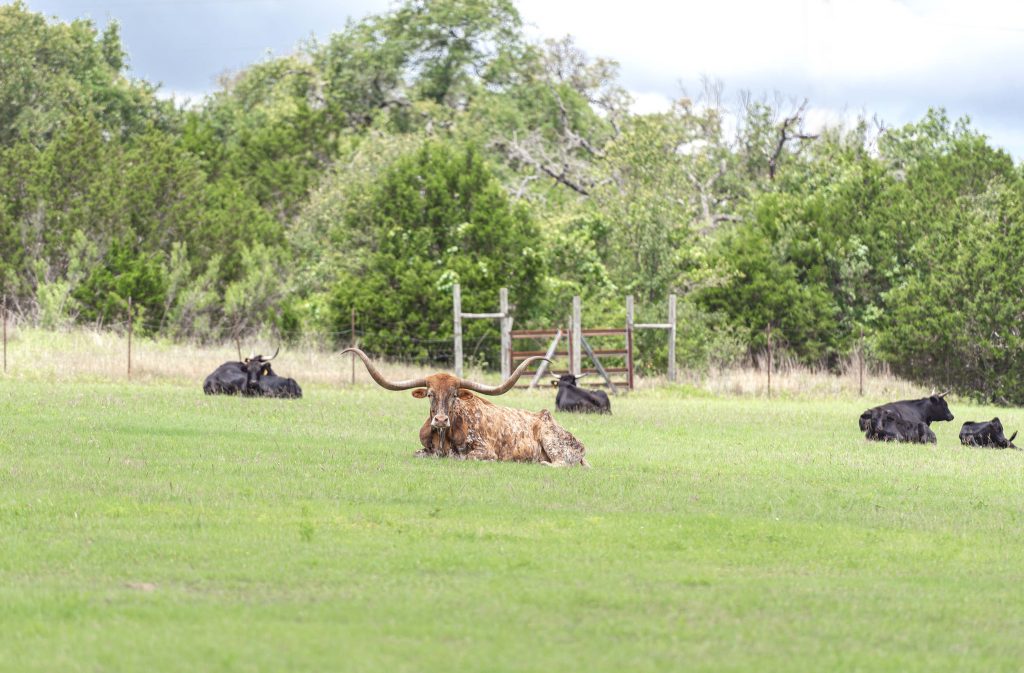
(571,397)
(463,425)
(252,377)
(888,426)
(925,410)
(986,433)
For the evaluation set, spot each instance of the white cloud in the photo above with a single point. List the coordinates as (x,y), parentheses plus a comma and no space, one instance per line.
(649,102)
(894,58)
(181,98)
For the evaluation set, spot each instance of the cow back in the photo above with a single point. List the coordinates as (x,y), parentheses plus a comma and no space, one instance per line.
(278,386)
(227,379)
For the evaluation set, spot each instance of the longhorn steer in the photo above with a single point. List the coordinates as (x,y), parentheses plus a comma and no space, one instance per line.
(466,426)
(571,397)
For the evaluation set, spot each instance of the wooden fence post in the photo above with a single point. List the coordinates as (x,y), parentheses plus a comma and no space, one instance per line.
(457,307)
(549,354)
(629,339)
(672,337)
(860,357)
(5,333)
(577,335)
(353,344)
(506,334)
(769,360)
(129,337)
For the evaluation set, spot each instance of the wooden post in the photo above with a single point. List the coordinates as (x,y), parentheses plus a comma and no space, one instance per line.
(769,360)
(5,334)
(860,358)
(129,337)
(672,337)
(599,367)
(352,339)
(506,334)
(544,365)
(457,304)
(577,335)
(629,340)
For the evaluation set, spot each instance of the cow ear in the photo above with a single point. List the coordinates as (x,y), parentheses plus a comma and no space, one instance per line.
(419,393)
(465,394)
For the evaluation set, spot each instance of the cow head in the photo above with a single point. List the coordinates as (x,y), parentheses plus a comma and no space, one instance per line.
(998,438)
(939,408)
(256,367)
(443,390)
(565,379)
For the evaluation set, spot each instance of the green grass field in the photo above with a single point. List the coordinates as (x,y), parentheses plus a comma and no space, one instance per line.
(150,528)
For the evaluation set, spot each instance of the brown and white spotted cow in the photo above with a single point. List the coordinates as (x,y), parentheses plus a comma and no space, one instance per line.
(466,426)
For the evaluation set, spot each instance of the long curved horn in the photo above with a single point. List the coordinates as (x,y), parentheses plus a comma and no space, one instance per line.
(379,378)
(582,375)
(945,393)
(263,359)
(555,376)
(506,384)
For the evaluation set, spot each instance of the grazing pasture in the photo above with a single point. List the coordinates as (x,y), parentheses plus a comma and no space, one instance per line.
(150,527)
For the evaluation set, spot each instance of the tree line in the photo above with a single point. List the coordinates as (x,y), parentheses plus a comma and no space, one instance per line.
(436,144)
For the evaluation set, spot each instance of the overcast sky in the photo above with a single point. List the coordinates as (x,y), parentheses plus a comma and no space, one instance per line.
(886,57)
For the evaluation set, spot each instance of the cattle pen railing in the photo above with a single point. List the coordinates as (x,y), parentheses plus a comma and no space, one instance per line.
(595,354)
(577,337)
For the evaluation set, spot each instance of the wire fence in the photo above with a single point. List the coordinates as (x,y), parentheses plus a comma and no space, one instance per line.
(87,354)
(139,351)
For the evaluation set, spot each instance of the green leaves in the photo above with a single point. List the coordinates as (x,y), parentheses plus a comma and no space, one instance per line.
(956,322)
(434,144)
(437,216)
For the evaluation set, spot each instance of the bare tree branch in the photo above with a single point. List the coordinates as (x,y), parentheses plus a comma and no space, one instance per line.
(704,189)
(788,130)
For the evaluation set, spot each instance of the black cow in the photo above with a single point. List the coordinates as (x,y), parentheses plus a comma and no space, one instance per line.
(228,379)
(986,433)
(272,385)
(571,397)
(888,426)
(239,378)
(925,411)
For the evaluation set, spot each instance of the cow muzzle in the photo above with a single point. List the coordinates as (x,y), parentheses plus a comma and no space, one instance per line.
(440,422)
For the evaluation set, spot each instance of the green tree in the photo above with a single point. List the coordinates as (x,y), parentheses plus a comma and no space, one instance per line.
(438,217)
(102,296)
(763,287)
(956,321)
